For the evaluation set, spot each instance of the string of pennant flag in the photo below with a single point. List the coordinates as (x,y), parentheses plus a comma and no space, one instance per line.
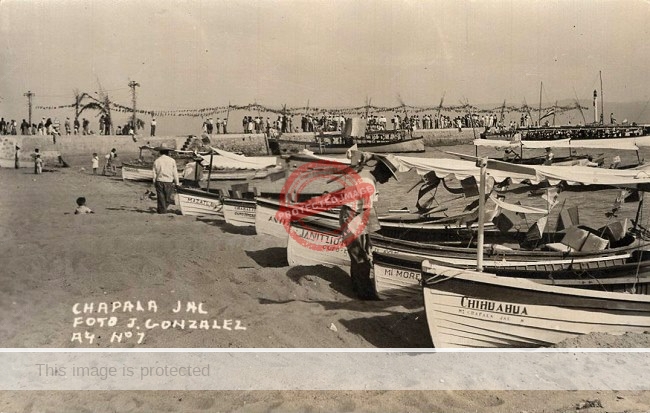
(306,110)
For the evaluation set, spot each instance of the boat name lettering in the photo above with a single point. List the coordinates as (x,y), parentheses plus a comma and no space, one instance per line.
(245,214)
(205,202)
(282,220)
(497,307)
(397,273)
(320,237)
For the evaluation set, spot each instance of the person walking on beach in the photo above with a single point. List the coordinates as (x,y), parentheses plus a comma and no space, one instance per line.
(38,165)
(353,216)
(95,163)
(110,162)
(34,155)
(165,176)
(153,127)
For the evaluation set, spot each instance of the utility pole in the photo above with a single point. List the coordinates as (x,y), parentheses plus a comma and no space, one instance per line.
(132,85)
(29,95)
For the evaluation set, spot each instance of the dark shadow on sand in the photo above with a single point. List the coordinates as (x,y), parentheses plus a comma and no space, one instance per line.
(391,329)
(211,219)
(394,330)
(227,228)
(274,257)
(151,210)
(338,279)
(233,229)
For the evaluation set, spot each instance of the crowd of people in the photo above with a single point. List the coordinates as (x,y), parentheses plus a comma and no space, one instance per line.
(219,126)
(282,124)
(333,123)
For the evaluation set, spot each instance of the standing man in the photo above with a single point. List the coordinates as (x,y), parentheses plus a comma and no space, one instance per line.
(165,175)
(153,127)
(352,217)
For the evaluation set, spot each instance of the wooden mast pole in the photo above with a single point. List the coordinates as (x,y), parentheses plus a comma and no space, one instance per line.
(207,189)
(482,164)
(227,114)
(539,113)
(602,100)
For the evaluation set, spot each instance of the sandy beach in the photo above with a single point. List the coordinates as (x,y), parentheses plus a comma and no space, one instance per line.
(126,253)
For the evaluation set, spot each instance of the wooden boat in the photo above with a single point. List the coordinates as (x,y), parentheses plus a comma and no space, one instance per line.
(315,245)
(386,141)
(239,212)
(141,169)
(134,172)
(396,266)
(269,222)
(197,202)
(404,226)
(474,309)
(577,132)
(227,166)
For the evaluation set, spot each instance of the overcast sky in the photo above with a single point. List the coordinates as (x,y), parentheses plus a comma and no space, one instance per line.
(194,54)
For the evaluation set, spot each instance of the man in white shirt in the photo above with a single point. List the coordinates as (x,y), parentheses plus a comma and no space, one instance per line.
(165,176)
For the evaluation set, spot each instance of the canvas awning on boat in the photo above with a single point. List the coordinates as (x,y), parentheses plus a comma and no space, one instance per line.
(459,169)
(500,171)
(310,154)
(229,160)
(624,144)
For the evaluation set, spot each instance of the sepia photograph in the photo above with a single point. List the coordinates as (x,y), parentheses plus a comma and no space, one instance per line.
(324,206)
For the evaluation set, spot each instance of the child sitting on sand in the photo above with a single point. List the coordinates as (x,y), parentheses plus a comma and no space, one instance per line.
(81,207)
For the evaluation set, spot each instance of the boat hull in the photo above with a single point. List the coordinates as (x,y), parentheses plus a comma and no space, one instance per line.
(412,145)
(316,247)
(471,309)
(268,222)
(193,202)
(137,173)
(239,212)
(396,265)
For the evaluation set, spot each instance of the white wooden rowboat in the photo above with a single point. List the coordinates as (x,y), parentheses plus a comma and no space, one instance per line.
(474,309)
(196,202)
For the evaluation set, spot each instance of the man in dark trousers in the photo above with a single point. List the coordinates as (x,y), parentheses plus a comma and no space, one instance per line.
(165,176)
(352,216)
